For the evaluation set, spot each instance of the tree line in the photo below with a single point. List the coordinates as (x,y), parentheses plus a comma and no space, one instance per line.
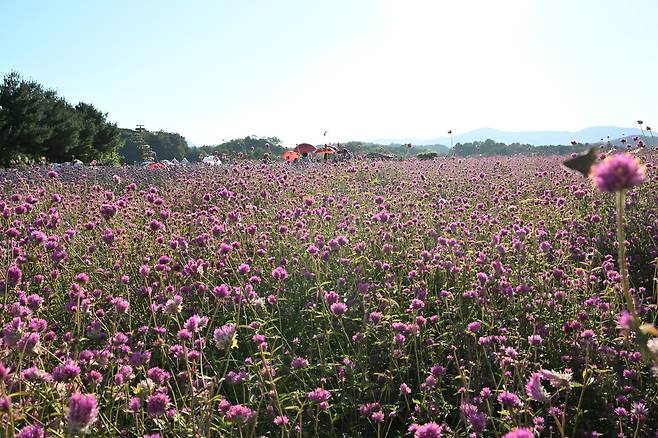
(38,125)
(490,148)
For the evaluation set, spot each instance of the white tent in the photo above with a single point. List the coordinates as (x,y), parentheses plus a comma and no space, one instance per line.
(212,160)
(184,162)
(175,162)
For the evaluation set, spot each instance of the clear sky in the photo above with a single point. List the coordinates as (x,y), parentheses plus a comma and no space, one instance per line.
(361,69)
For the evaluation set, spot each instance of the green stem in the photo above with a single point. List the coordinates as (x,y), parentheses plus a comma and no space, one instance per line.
(620,198)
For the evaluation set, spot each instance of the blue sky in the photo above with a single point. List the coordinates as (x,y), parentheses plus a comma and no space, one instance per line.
(361,69)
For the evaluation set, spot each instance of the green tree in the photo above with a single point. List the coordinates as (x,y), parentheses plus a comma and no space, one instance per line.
(23,108)
(98,139)
(166,145)
(36,123)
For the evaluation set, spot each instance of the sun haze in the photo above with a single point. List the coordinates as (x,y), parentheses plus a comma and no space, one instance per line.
(215,70)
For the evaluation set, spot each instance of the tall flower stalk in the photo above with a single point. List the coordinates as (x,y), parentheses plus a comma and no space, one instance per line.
(620,201)
(617,174)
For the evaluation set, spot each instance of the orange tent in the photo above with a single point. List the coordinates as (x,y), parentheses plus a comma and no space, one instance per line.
(290,155)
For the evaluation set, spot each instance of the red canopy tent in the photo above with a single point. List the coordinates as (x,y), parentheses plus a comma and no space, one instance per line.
(304,148)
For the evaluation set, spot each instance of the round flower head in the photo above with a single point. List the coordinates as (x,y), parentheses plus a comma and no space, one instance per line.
(519,433)
(82,412)
(224,335)
(34,431)
(618,172)
(429,430)
(156,404)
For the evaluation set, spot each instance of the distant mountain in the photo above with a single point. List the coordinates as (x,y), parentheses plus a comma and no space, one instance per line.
(631,140)
(538,138)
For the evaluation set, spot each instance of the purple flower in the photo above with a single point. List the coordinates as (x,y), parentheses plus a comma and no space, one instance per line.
(474,326)
(5,404)
(156,404)
(34,431)
(14,275)
(158,375)
(428,430)
(120,304)
(588,338)
(238,414)
(173,305)
(557,380)
(4,372)
(299,362)
(108,210)
(509,399)
(624,320)
(281,420)
(135,404)
(621,411)
(318,395)
(279,273)
(82,412)
(375,317)
(331,297)
(66,372)
(618,172)
(535,390)
(523,432)
(223,336)
(377,417)
(639,411)
(477,420)
(144,270)
(82,278)
(534,339)
(338,308)
(196,323)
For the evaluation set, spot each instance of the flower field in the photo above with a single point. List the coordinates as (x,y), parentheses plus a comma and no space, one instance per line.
(473,297)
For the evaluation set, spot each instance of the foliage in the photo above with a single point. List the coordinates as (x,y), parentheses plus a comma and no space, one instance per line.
(491,148)
(166,145)
(36,124)
(427,155)
(399,150)
(250,147)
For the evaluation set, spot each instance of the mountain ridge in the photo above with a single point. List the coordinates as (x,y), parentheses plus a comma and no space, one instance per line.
(592,134)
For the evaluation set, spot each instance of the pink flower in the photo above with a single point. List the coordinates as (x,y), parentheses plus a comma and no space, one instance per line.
(428,430)
(82,412)
(519,433)
(281,420)
(318,395)
(618,172)
(535,390)
(338,308)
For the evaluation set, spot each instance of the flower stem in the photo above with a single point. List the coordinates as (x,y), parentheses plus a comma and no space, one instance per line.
(620,199)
